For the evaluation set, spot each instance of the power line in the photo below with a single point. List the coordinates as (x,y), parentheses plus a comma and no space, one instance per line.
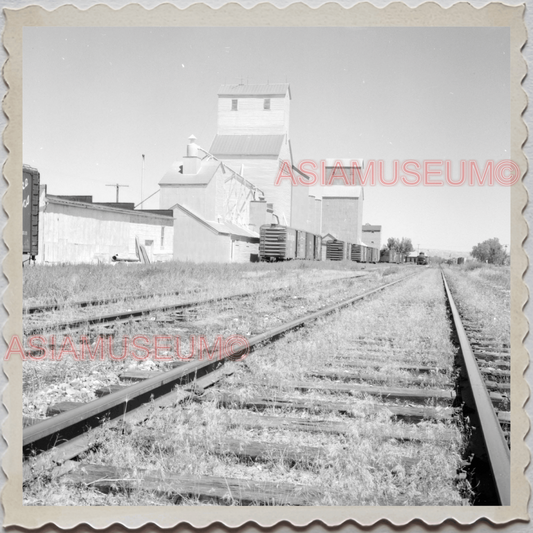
(117,185)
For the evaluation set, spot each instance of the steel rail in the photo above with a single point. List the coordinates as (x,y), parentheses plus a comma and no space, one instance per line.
(70,424)
(497,449)
(128,315)
(29,310)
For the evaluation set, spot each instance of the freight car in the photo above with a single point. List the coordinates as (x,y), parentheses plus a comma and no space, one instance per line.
(278,243)
(422,259)
(30,211)
(339,250)
(391,256)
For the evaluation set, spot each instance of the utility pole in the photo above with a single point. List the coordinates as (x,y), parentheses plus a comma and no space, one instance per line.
(142,178)
(117,185)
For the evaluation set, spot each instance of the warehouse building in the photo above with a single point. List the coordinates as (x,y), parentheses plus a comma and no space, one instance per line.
(74,229)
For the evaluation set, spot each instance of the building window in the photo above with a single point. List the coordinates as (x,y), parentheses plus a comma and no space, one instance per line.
(266,104)
(234,105)
(162,236)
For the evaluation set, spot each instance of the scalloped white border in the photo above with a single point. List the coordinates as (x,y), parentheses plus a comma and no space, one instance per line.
(296,14)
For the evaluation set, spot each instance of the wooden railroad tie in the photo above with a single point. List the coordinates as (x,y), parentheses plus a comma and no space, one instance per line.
(177,487)
(410,413)
(380,364)
(389,393)
(383,432)
(366,376)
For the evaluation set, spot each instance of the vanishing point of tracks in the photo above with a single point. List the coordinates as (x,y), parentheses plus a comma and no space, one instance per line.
(67,436)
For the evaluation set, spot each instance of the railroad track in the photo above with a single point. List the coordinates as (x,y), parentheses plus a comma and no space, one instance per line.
(82,322)
(95,302)
(65,427)
(485,389)
(417,392)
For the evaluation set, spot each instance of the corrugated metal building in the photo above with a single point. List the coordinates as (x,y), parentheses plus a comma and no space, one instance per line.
(74,231)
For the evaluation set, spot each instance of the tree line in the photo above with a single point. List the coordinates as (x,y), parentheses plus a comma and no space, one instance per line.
(490,251)
(403,245)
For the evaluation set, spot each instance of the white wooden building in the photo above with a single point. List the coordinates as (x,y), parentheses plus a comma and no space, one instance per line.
(73,231)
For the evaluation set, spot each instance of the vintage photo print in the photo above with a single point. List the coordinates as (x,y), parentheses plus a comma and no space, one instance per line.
(270,268)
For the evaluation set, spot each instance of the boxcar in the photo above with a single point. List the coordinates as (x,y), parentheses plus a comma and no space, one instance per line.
(335,250)
(387,256)
(355,254)
(318,247)
(276,242)
(30,211)
(309,246)
(374,255)
(301,244)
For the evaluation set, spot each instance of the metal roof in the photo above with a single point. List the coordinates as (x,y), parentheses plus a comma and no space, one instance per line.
(371,227)
(52,199)
(247,145)
(259,90)
(222,228)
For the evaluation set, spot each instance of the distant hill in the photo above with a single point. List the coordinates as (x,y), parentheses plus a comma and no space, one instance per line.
(445,254)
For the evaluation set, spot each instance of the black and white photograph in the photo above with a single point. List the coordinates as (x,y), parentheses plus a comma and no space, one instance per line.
(269,266)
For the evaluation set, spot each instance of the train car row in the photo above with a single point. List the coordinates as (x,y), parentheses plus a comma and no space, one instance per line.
(340,250)
(277,243)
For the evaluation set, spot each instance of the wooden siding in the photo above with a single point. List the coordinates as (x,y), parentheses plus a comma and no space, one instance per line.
(343,218)
(318,215)
(250,117)
(311,218)
(372,238)
(72,234)
(195,242)
(242,251)
(200,199)
(299,207)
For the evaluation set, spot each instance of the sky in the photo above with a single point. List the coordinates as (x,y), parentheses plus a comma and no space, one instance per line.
(96,99)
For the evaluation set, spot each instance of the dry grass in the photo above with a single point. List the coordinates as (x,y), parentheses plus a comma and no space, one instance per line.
(65,283)
(50,381)
(359,467)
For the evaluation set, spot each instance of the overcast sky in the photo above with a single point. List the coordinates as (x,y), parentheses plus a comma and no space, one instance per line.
(95,99)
